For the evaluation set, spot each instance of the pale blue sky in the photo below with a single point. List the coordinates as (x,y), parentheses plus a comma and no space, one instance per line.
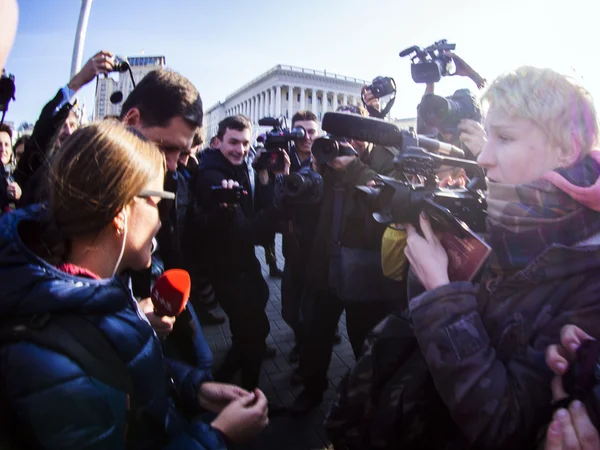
(221,45)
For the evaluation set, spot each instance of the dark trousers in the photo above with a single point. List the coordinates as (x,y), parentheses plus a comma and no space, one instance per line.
(315,356)
(243,296)
(293,287)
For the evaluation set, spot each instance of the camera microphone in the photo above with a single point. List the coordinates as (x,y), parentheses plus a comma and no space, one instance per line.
(380,132)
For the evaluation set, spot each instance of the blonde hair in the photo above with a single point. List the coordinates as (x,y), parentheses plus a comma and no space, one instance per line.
(558,104)
(97,171)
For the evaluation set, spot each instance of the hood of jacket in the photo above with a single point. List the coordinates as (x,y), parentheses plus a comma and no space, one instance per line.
(30,285)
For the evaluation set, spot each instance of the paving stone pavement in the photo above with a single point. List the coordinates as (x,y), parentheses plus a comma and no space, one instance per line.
(305,433)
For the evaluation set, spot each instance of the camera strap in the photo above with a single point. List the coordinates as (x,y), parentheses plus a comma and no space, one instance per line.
(379,114)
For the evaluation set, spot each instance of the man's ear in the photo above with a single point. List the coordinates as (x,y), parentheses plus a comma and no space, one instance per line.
(133,118)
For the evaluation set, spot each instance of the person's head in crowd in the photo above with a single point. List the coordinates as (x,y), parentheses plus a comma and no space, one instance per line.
(107,202)
(193,150)
(68,128)
(166,109)
(360,146)
(537,120)
(307,120)
(234,135)
(9,17)
(6,150)
(19,146)
(214,142)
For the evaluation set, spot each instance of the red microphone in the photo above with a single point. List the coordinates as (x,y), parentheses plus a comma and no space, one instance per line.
(171,292)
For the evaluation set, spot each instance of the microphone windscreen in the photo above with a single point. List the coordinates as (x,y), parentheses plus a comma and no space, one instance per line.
(171,292)
(362,128)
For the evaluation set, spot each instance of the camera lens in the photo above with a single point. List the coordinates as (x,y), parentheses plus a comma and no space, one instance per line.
(293,184)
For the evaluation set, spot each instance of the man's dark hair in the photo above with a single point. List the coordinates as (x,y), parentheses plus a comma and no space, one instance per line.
(6,129)
(163,95)
(304,115)
(238,123)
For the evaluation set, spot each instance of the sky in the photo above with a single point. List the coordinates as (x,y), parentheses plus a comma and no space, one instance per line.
(221,45)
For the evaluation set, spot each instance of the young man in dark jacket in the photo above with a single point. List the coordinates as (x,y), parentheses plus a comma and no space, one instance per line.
(227,234)
(326,309)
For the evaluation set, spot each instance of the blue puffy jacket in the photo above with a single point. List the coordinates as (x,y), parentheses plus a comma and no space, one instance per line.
(50,396)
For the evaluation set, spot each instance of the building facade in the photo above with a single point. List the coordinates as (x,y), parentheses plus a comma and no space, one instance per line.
(284,90)
(140,66)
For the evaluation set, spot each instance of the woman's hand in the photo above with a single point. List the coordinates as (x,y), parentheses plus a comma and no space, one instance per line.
(426,255)
(163,326)
(572,428)
(243,418)
(14,191)
(214,396)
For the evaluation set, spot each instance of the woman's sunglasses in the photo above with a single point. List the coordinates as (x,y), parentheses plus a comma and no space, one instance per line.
(167,200)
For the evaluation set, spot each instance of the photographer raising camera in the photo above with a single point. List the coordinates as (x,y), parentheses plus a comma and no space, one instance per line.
(480,341)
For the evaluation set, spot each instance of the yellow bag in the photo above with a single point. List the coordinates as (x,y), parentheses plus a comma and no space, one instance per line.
(393,260)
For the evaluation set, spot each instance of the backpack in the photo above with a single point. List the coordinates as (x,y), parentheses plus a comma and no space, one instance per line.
(388,399)
(70,334)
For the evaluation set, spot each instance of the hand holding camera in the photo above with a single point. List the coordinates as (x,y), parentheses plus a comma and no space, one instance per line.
(228,194)
(101,62)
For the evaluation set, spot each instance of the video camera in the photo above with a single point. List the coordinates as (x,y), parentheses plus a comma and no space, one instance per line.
(401,201)
(275,142)
(303,187)
(429,65)
(7,92)
(326,148)
(228,196)
(445,113)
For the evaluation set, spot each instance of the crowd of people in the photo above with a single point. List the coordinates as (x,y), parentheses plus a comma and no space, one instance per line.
(92,214)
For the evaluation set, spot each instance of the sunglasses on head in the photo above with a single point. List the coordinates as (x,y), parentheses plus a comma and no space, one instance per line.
(167,200)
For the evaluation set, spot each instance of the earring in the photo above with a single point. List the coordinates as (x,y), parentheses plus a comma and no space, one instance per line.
(119,231)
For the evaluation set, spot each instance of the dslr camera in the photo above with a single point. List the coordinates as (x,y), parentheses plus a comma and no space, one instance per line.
(445,113)
(275,142)
(380,87)
(429,65)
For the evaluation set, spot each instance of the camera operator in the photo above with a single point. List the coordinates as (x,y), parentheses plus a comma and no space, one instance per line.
(57,121)
(297,240)
(469,132)
(226,235)
(479,341)
(357,230)
(570,428)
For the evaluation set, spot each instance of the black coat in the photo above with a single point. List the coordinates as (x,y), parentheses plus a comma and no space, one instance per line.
(225,237)
(31,173)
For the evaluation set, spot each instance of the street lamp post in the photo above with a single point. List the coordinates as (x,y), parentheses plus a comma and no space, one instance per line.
(84,15)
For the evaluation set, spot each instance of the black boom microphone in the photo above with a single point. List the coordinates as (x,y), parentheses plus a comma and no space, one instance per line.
(380,132)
